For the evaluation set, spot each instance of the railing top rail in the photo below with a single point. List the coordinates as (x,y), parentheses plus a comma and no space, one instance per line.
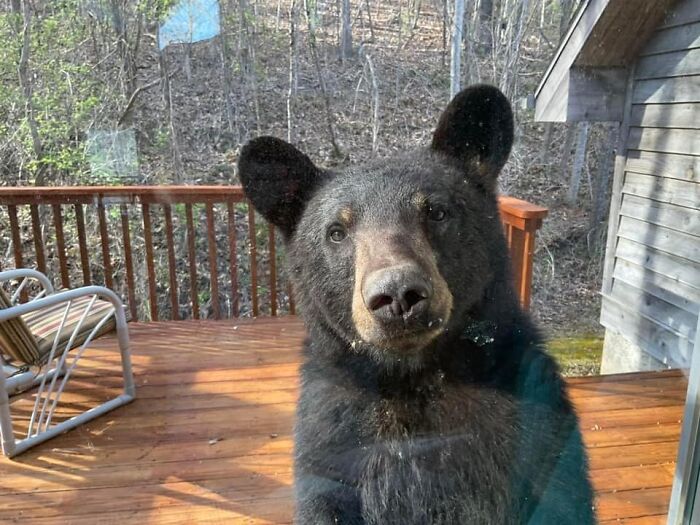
(183,193)
(151,194)
(520,208)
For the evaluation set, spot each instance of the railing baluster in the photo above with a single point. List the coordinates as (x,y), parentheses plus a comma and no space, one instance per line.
(517,244)
(273,269)
(17,246)
(253,253)
(38,239)
(191,255)
(213,270)
(16,238)
(104,237)
(128,262)
(233,261)
(82,244)
(148,238)
(174,303)
(526,273)
(61,245)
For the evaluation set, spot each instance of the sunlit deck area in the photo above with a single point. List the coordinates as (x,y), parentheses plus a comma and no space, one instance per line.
(209,437)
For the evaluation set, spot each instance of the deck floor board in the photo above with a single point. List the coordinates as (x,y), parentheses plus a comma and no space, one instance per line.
(209,438)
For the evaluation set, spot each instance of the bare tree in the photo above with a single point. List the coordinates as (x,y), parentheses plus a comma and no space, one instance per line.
(227,74)
(293,65)
(128,24)
(603,176)
(546,140)
(374,88)
(485,26)
(456,54)
(369,20)
(418,4)
(414,8)
(167,94)
(321,82)
(246,58)
(566,152)
(579,161)
(509,75)
(566,7)
(27,89)
(118,13)
(345,31)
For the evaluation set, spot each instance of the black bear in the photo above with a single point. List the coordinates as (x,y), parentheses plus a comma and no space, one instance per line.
(426,397)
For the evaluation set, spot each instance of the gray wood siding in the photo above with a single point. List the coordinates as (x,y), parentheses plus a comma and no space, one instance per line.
(652,286)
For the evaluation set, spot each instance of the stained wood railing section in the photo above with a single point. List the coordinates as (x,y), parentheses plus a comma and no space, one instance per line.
(521,220)
(176,252)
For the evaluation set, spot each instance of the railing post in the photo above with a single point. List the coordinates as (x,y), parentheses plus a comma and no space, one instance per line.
(521,220)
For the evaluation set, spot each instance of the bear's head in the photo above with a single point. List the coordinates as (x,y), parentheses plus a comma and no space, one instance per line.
(395,254)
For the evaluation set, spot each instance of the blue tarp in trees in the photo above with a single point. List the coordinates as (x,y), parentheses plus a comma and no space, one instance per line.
(190,21)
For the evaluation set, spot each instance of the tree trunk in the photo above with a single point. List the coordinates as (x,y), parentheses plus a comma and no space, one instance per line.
(416,15)
(167,95)
(602,180)
(322,83)
(128,67)
(456,55)
(444,32)
(546,142)
(345,31)
(369,20)
(510,70)
(227,74)
(375,105)
(293,66)
(579,161)
(246,52)
(485,38)
(28,90)
(566,7)
(566,152)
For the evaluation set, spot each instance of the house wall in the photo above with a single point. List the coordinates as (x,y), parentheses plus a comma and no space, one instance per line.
(651,290)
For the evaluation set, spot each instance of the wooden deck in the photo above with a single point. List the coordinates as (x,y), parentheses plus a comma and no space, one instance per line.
(209,438)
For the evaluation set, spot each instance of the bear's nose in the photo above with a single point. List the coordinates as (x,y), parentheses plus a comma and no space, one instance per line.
(394,293)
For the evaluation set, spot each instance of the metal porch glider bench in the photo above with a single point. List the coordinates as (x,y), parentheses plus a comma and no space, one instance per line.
(41,343)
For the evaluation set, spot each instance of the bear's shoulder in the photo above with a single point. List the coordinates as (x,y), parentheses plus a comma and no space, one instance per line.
(520,366)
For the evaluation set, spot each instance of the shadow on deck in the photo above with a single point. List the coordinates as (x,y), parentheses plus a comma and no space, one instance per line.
(209,438)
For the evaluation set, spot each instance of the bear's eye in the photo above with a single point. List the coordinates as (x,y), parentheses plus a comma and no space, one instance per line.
(436,213)
(337,233)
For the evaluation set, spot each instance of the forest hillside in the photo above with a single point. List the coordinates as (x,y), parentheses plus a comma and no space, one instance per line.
(165,92)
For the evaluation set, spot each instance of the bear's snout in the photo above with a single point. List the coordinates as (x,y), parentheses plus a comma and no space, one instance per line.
(400,300)
(397,294)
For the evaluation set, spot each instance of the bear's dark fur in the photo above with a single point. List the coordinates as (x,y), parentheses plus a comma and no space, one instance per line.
(426,397)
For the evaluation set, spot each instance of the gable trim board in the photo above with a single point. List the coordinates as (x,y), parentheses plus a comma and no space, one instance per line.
(585,80)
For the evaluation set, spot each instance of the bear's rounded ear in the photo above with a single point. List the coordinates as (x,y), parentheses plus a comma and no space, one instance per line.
(278,179)
(476,129)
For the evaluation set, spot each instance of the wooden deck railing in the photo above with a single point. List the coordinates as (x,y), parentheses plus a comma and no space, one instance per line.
(521,220)
(174,252)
